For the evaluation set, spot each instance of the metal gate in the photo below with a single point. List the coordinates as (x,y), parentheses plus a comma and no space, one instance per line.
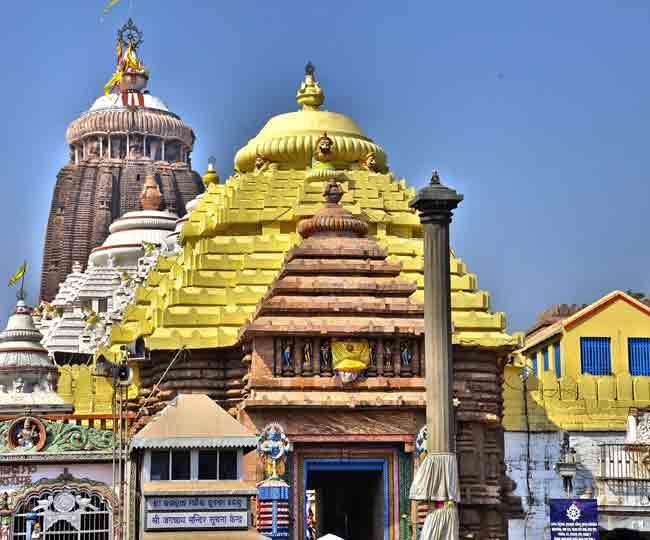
(63,513)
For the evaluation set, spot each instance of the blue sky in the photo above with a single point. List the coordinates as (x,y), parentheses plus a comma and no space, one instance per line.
(538,112)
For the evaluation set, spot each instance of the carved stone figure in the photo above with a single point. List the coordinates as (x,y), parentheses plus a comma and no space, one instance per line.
(272,447)
(324,153)
(28,435)
(369,163)
(388,354)
(287,353)
(373,354)
(325,355)
(405,354)
(306,353)
(261,163)
(19,385)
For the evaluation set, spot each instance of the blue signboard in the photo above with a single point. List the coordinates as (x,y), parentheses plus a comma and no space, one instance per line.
(574,519)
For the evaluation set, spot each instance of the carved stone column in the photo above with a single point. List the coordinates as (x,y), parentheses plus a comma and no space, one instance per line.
(437,477)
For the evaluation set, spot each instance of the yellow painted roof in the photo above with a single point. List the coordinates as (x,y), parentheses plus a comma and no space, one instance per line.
(237,235)
(236,239)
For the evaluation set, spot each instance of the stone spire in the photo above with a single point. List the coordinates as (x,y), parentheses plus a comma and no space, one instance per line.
(27,374)
(310,96)
(150,196)
(332,219)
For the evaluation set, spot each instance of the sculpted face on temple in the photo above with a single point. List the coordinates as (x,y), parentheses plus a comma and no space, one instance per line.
(369,163)
(324,148)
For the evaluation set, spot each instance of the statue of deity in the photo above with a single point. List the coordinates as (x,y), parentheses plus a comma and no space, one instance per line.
(19,385)
(287,351)
(261,163)
(325,355)
(388,354)
(28,435)
(373,354)
(306,353)
(272,447)
(405,354)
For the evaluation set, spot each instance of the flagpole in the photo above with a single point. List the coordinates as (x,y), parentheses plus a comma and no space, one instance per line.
(22,282)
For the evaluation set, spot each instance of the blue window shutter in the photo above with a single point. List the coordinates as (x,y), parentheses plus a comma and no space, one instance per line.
(545,355)
(595,355)
(558,360)
(638,350)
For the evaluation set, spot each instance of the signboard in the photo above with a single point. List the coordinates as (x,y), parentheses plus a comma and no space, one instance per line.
(15,476)
(196,512)
(574,519)
(197,520)
(197,503)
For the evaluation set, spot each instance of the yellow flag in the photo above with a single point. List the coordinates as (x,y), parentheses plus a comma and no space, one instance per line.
(350,355)
(18,275)
(111,5)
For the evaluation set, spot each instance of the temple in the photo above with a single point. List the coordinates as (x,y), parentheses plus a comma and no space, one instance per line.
(294,301)
(126,134)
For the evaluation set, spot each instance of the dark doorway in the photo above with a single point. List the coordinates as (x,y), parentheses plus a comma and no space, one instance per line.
(624,534)
(349,504)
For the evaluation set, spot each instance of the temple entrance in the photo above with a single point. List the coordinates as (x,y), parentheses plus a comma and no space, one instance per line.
(348,499)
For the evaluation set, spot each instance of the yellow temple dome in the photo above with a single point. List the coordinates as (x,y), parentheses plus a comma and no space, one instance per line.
(290,139)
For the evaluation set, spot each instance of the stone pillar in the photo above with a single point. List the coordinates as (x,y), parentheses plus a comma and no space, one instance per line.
(436,479)
(162,157)
(128,147)
(76,154)
(101,147)
(144,146)
(110,154)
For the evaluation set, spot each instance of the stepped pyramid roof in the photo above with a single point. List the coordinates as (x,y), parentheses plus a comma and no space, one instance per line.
(235,238)
(343,277)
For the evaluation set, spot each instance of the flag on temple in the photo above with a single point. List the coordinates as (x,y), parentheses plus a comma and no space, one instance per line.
(18,275)
(350,355)
(111,5)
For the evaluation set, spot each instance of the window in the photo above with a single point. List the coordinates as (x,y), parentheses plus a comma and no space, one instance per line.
(595,355)
(558,360)
(208,464)
(160,465)
(194,465)
(545,355)
(181,461)
(638,351)
(94,516)
(227,465)
(533,361)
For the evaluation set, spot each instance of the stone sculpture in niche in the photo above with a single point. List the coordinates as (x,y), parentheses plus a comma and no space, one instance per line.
(405,354)
(325,355)
(306,354)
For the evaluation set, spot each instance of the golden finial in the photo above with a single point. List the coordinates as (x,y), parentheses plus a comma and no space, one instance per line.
(310,96)
(435,179)
(211,176)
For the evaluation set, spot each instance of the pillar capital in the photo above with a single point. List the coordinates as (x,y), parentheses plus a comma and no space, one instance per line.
(436,202)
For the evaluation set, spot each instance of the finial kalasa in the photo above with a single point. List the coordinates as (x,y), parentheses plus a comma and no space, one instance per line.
(310,95)
(435,178)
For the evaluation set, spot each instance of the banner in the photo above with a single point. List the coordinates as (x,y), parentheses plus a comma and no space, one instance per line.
(574,519)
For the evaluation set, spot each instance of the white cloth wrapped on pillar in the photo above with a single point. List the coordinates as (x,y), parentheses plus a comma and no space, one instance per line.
(441,524)
(436,479)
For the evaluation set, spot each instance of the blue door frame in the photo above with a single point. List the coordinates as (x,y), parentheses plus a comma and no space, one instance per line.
(347,464)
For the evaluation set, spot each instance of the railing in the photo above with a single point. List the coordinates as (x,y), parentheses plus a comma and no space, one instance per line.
(625,462)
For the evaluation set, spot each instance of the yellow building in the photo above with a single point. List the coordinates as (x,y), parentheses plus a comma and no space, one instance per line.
(585,371)
(569,394)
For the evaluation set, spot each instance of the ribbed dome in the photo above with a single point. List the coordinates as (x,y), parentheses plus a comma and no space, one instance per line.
(128,233)
(292,137)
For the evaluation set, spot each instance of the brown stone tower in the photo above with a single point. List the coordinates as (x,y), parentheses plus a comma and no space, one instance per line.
(126,134)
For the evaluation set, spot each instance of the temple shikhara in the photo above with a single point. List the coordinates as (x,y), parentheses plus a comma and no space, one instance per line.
(126,134)
(293,352)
